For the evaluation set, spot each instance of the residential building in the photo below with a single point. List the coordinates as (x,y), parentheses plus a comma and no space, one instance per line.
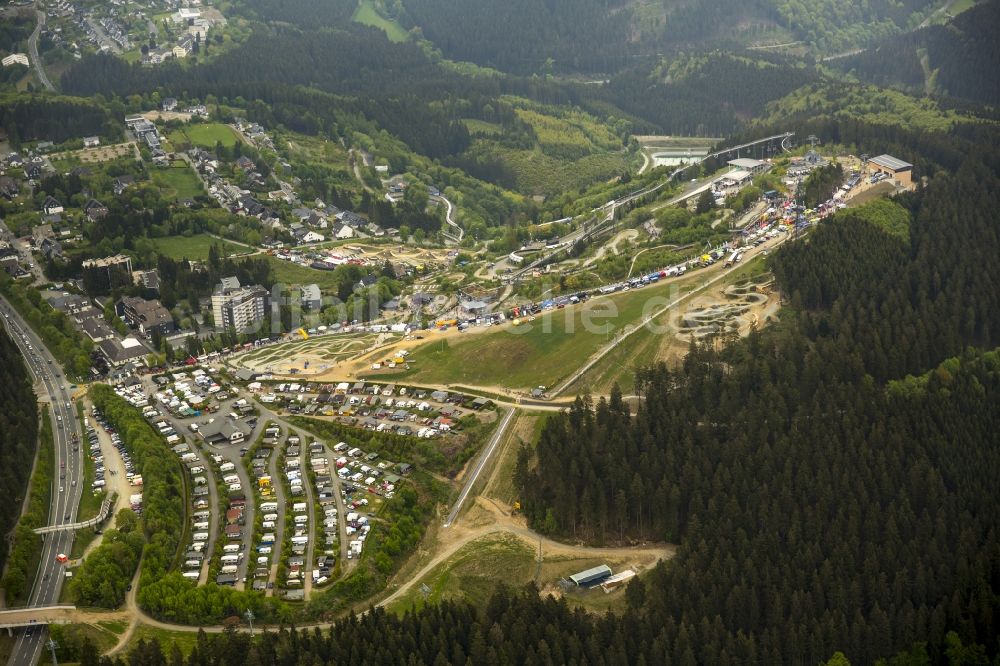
(50,248)
(8,187)
(107,273)
(40,233)
(52,206)
(16,59)
(239,308)
(91,141)
(147,279)
(97,330)
(341,231)
(312,298)
(365,282)
(95,210)
(147,316)
(122,183)
(118,353)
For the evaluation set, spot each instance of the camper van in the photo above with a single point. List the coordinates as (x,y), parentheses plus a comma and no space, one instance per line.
(199,536)
(192,575)
(229,569)
(227,467)
(230,559)
(299,507)
(268,507)
(200,526)
(232,548)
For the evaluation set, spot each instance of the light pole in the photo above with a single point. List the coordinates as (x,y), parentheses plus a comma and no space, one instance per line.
(249,617)
(52,645)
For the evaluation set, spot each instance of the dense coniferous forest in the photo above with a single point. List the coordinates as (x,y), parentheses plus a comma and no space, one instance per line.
(959,59)
(831,486)
(821,184)
(513,628)
(26,117)
(19,425)
(703,95)
(319,82)
(303,13)
(527,36)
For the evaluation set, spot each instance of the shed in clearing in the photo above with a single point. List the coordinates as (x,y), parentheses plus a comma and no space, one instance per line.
(591,577)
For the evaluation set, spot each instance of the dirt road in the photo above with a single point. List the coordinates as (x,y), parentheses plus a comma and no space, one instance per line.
(455,539)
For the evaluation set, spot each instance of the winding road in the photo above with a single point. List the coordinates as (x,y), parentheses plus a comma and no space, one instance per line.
(36,60)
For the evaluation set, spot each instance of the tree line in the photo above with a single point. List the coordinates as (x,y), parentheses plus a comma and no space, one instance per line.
(19,420)
(28,117)
(70,347)
(28,507)
(512,627)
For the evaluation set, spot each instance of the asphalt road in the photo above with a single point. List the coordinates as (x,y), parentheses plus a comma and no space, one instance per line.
(36,61)
(52,386)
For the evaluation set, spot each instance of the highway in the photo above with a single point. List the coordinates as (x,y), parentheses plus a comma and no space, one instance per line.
(53,387)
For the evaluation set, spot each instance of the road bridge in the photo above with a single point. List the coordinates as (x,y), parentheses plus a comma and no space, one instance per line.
(35,615)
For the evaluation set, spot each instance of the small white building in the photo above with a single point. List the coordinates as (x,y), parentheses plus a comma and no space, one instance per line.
(91,141)
(16,59)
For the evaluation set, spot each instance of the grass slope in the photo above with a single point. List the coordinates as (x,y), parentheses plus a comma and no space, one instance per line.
(178,181)
(204,135)
(194,247)
(366,14)
(541,352)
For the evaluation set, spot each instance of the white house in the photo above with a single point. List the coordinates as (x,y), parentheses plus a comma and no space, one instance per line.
(91,141)
(52,206)
(342,231)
